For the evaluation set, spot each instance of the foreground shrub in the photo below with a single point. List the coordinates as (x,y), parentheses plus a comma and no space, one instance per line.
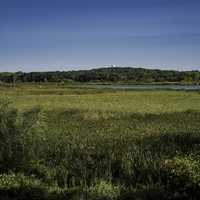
(149,192)
(14,130)
(20,187)
(183,175)
(104,190)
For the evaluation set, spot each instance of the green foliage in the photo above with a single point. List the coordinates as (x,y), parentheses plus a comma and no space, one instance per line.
(183,173)
(8,181)
(135,148)
(104,190)
(14,130)
(20,187)
(116,74)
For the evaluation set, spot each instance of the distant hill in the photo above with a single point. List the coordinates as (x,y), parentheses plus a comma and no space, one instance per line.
(106,75)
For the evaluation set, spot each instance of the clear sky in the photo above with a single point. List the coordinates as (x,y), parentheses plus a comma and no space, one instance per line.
(75,34)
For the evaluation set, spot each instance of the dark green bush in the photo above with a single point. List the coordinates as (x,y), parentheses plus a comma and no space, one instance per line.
(20,187)
(14,133)
(183,176)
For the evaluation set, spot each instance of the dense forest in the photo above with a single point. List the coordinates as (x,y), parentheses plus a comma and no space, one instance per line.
(111,74)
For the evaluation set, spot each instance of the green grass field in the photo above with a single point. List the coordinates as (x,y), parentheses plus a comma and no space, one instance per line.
(102,100)
(99,143)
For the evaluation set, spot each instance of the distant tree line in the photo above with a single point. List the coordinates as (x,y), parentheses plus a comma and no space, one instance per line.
(112,74)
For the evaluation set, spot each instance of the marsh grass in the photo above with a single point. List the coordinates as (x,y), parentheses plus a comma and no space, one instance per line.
(121,145)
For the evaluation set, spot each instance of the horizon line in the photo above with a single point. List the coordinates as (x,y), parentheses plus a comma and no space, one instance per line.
(82,68)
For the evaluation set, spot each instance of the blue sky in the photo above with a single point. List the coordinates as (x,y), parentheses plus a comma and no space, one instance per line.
(39,35)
